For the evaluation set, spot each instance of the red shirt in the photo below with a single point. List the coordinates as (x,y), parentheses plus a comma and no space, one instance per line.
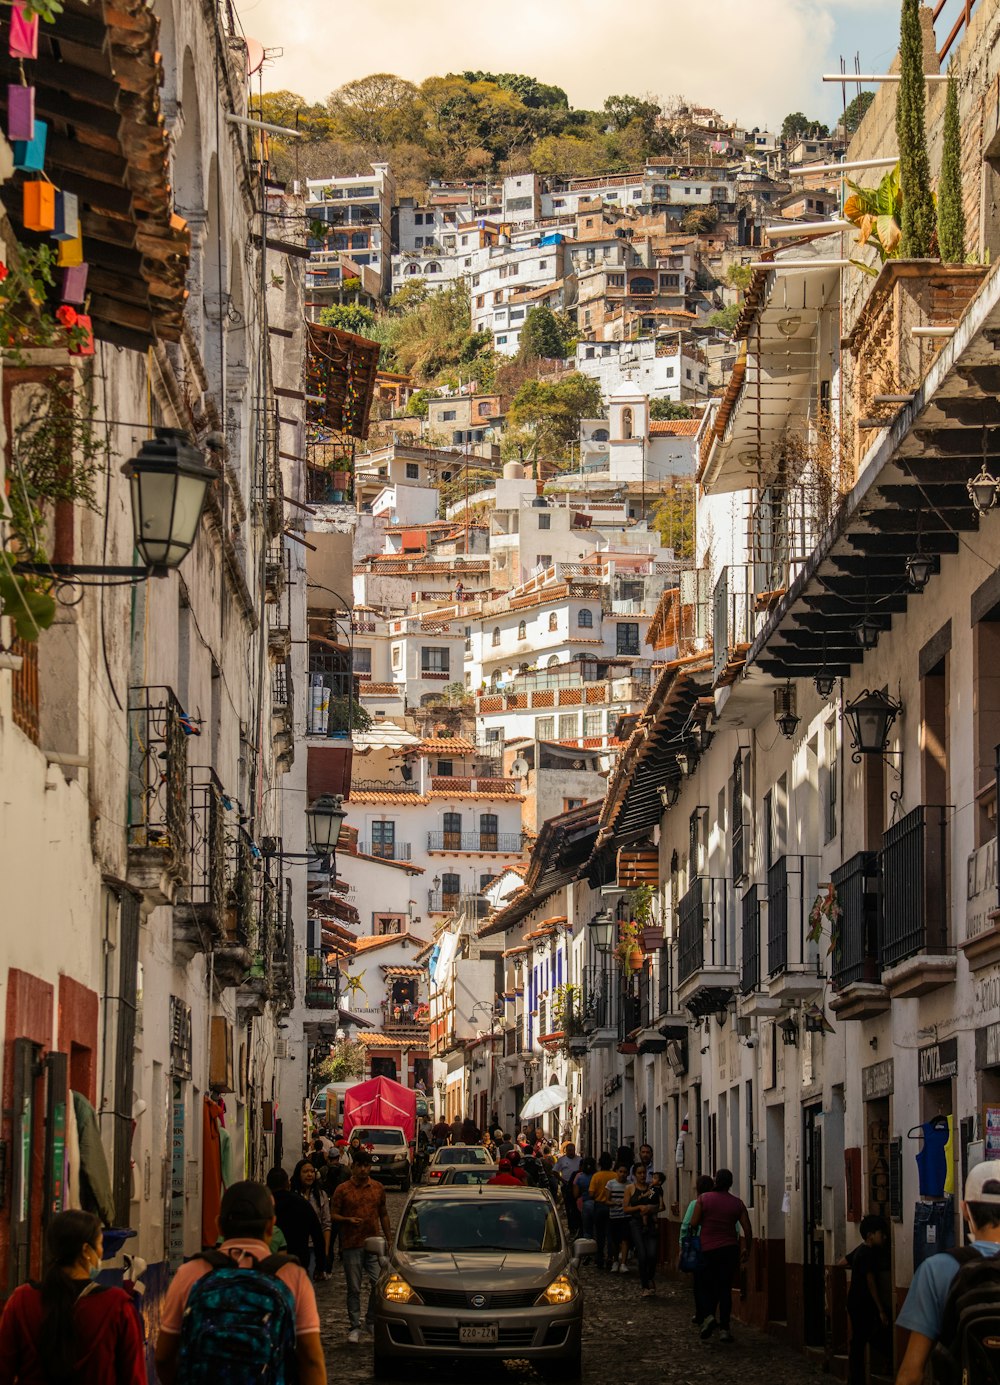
(109,1343)
(508,1180)
(720,1215)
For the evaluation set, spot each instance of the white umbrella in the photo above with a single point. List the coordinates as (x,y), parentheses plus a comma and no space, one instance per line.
(546,1100)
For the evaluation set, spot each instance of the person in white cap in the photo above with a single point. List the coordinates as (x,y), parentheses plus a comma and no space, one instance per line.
(924,1310)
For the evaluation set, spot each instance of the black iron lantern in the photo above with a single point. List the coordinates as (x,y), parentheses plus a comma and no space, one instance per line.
(325,817)
(602,930)
(789,1031)
(870,717)
(169,481)
(867,632)
(983,490)
(669,793)
(784,710)
(823,682)
(919,569)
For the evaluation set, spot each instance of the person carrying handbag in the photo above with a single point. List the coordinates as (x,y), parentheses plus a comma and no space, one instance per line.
(689,1258)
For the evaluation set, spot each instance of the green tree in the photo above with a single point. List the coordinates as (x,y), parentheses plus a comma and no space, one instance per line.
(413,293)
(571,155)
(914,165)
(377,111)
(855,112)
(535,94)
(346,1060)
(669,409)
(622,110)
(552,410)
(950,208)
(416,405)
(725,319)
(288,109)
(541,336)
(697,220)
(799,126)
(740,276)
(673,518)
(349,317)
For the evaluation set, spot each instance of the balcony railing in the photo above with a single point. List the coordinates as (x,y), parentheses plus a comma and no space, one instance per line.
(384,786)
(483,783)
(386,851)
(630,1014)
(331,709)
(25,704)
(209,859)
(914,905)
(667,997)
(396,1016)
(732,616)
(505,842)
(601,998)
(791,888)
(855,952)
(702,928)
(322,988)
(158,774)
(750,908)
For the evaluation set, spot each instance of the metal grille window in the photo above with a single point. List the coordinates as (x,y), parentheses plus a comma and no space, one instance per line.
(736,818)
(593,723)
(545,728)
(568,726)
(628,637)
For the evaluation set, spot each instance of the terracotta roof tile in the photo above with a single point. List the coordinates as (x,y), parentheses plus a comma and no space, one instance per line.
(471,793)
(372,942)
(416,1036)
(377,797)
(674,427)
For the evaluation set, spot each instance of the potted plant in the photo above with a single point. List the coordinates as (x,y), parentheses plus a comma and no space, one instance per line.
(628,949)
(641,903)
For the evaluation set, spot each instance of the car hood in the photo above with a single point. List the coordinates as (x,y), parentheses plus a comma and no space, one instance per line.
(468,1269)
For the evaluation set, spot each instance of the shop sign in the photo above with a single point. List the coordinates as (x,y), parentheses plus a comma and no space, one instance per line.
(986,993)
(981,889)
(988,1047)
(938,1062)
(877,1080)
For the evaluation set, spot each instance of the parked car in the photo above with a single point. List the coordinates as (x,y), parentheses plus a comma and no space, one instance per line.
(455,1154)
(466,1174)
(484,1274)
(390,1153)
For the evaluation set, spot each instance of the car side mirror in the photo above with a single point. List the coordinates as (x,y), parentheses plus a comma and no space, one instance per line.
(375,1245)
(584,1246)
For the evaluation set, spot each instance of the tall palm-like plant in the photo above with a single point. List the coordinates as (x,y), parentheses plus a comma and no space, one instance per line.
(950,210)
(914,165)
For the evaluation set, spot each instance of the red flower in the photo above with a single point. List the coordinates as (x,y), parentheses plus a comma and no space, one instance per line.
(66,315)
(4,271)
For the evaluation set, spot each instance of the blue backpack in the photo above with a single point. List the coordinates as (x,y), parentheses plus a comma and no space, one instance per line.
(239,1325)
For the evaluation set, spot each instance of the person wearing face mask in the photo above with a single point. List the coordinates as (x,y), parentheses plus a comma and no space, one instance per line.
(70,1330)
(959,1285)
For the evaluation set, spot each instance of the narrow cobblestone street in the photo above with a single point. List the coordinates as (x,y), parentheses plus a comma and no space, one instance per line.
(627,1340)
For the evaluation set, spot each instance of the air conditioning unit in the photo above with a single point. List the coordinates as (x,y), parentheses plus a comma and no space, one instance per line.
(281,1048)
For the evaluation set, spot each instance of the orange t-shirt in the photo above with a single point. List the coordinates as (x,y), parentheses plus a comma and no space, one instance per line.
(243,1254)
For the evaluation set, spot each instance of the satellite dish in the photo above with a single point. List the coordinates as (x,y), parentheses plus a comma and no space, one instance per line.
(255,56)
(519,768)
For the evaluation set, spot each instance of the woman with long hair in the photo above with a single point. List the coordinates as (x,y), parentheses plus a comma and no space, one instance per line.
(69,1330)
(642,1206)
(306,1182)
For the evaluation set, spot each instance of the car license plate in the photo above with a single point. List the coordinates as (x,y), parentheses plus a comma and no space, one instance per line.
(479,1334)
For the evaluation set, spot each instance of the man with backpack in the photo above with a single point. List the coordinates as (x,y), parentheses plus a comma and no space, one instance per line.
(952,1310)
(239,1314)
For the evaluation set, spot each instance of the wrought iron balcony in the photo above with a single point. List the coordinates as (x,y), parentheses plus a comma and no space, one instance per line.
(384,786)
(732,617)
(385,851)
(913,916)
(791,888)
(601,1001)
(507,843)
(322,983)
(855,951)
(750,909)
(158,786)
(706,960)
(442,901)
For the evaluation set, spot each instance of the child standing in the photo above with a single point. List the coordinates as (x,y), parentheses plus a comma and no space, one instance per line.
(869,1320)
(619,1221)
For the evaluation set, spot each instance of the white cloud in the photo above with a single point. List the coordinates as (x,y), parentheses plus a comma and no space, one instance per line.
(754,62)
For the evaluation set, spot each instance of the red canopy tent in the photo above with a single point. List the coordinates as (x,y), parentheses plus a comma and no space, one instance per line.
(381,1102)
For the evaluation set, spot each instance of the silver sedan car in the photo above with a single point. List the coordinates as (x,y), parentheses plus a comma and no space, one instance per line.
(480,1274)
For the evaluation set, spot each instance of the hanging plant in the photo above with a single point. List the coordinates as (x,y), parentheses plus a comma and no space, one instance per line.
(628,950)
(825,910)
(27,319)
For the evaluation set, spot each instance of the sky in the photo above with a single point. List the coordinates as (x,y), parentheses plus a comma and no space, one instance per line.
(754,62)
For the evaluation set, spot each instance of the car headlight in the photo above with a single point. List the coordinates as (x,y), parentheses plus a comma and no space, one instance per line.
(561,1290)
(396,1290)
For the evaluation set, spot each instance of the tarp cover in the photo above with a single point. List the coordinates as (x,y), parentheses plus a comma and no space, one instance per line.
(380,1102)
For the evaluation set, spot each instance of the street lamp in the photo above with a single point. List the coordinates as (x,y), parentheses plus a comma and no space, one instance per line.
(823,683)
(867,632)
(169,481)
(919,569)
(325,817)
(669,793)
(602,930)
(784,710)
(870,717)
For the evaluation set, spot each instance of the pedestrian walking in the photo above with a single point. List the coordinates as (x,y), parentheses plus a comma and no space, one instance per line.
(505,1176)
(959,1287)
(349,1153)
(440,1133)
(618,1220)
(240,1312)
(299,1223)
(581,1193)
(602,1209)
(359,1210)
(689,1257)
(69,1328)
(721,1217)
(306,1183)
(869,1320)
(567,1166)
(642,1206)
(646,1159)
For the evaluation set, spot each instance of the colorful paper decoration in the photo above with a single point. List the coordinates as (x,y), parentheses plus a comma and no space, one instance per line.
(86,348)
(73,286)
(29,154)
(39,206)
(20,112)
(67,225)
(23,41)
(70,252)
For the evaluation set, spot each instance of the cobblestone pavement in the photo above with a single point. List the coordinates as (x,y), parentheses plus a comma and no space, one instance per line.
(626,1340)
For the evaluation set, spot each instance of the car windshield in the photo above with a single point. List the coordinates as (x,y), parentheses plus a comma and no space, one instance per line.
(462,1154)
(376,1135)
(518,1223)
(478,1175)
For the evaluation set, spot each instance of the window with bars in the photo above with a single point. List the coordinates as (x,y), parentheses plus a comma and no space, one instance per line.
(545,728)
(737,822)
(628,637)
(593,723)
(568,727)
